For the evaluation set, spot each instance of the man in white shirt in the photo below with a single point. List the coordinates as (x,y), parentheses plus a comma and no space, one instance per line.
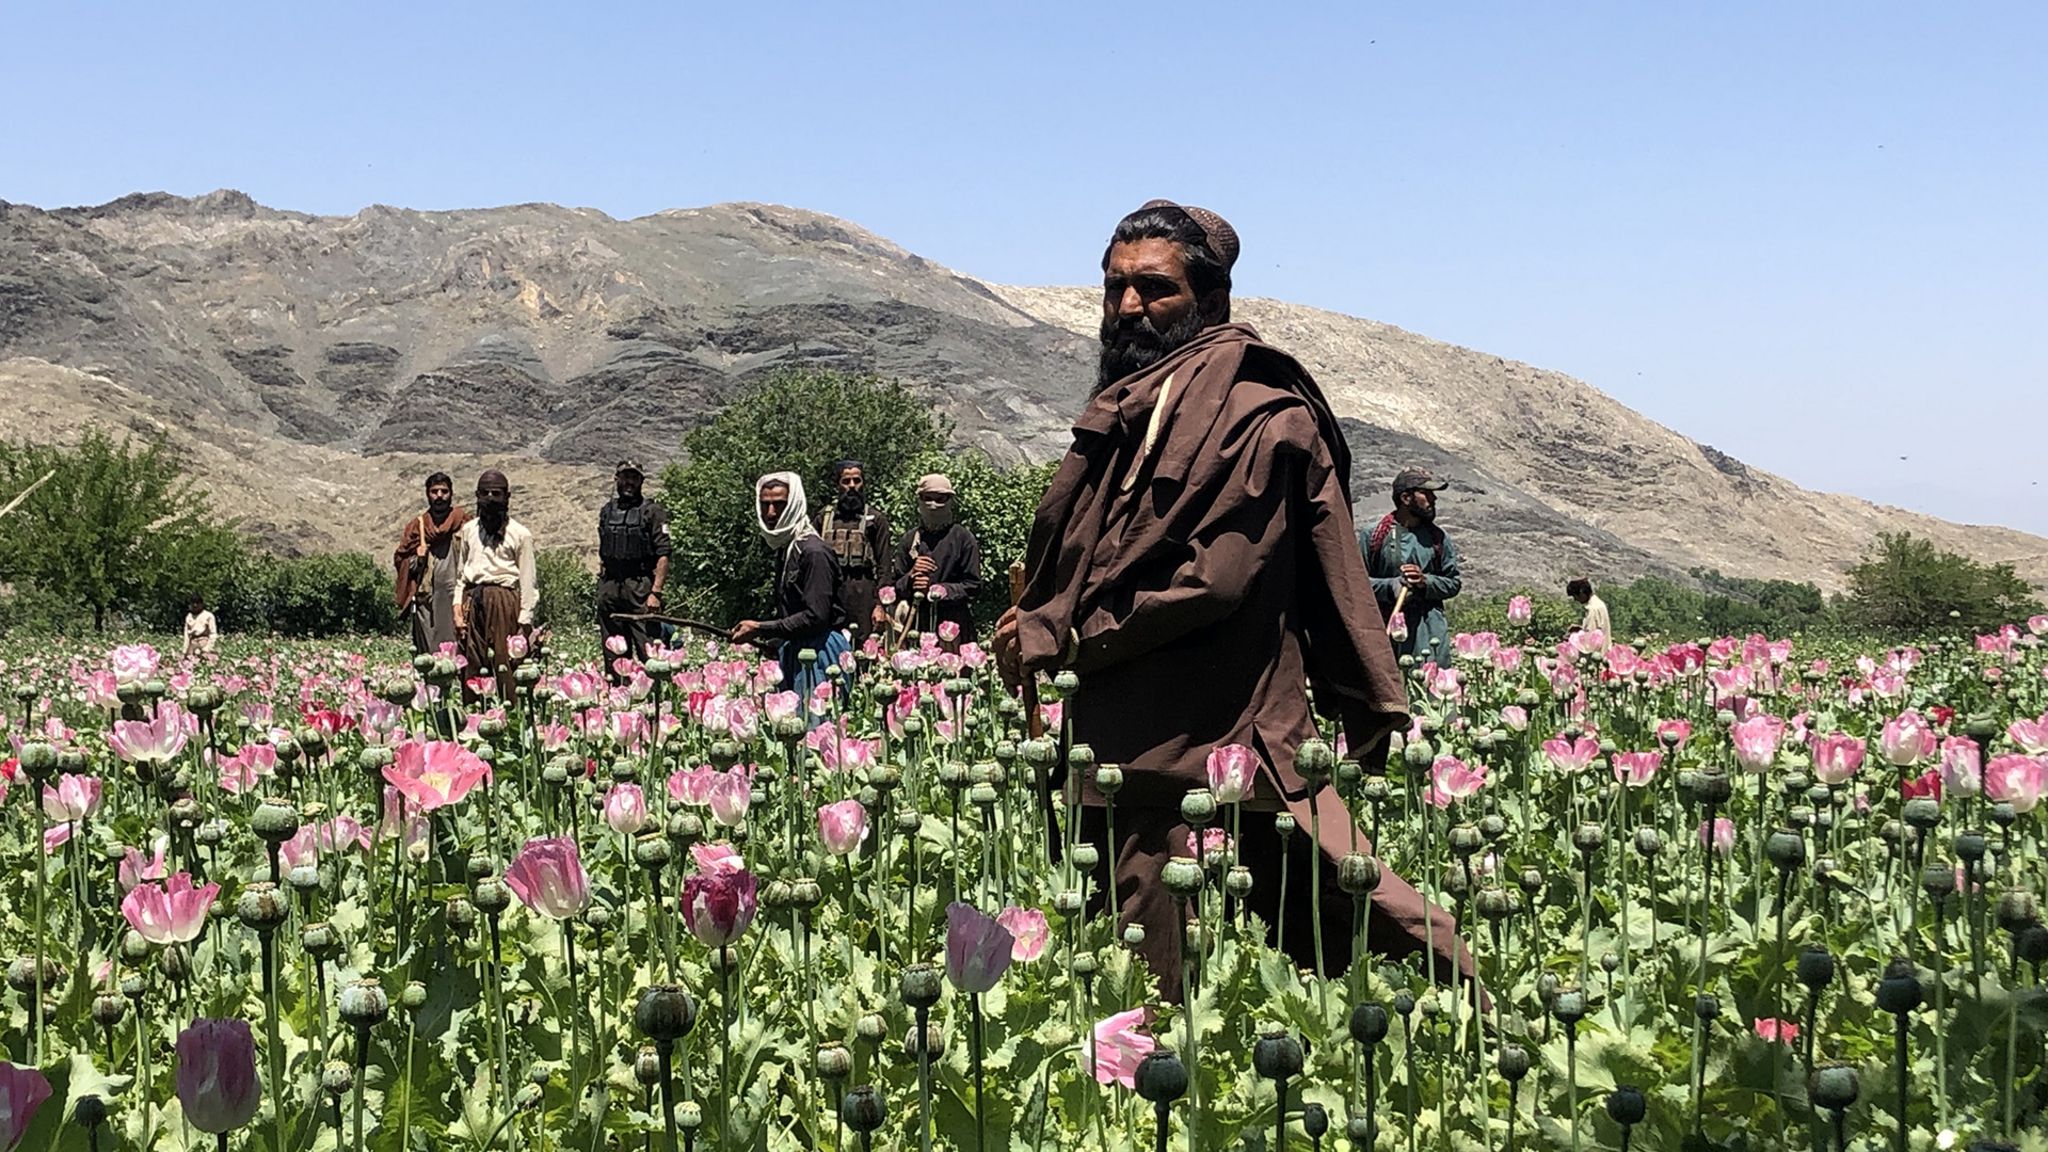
(202,632)
(1596,619)
(495,588)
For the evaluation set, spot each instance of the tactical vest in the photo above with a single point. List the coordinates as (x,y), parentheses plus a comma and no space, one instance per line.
(625,536)
(849,543)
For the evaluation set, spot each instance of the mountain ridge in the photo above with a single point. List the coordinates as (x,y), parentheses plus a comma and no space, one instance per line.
(559,339)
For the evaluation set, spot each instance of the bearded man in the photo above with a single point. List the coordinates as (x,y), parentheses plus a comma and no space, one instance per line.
(1414,564)
(425,585)
(495,588)
(858,536)
(632,558)
(1194,563)
(809,616)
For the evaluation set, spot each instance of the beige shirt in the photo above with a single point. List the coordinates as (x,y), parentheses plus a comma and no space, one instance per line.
(201,632)
(1596,617)
(509,564)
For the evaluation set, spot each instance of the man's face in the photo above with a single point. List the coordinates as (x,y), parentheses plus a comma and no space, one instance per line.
(774,502)
(441,495)
(851,481)
(1421,502)
(628,485)
(1149,307)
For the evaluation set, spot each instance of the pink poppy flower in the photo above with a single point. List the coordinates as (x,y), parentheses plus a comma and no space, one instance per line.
(1962,766)
(843,827)
(1232,770)
(1836,758)
(1029,929)
(1121,1043)
(1451,779)
(433,774)
(716,857)
(1907,739)
(1572,756)
(2016,780)
(1720,836)
(173,912)
(1776,1031)
(1637,769)
(548,877)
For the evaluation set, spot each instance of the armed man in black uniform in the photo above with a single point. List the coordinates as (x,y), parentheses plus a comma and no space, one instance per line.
(632,550)
(858,535)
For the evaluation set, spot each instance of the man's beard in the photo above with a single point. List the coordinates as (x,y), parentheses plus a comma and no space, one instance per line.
(492,515)
(1134,345)
(629,497)
(1423,513)
(852,502)
(440,508)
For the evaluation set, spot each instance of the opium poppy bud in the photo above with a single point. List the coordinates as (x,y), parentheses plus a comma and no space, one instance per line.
(1404,1004)
(413,996)
(134,948)
(2031,944)
(1707,1007)
(1834,1087)
(1161,1078)
(364,1003)
(1134,936)
(864,1110)
(921,986)
(1276,1054)
(1548,985)
(1368,1024)
(1898,992)
(1357,874)
(1609,962)
(1785,848)
(1284,826)
(1649,842)
(1182,876)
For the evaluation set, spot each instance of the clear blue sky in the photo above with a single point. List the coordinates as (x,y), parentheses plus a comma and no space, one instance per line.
(1813,235)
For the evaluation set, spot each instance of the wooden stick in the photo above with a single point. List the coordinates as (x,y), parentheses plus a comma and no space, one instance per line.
(27,492)
(678,621)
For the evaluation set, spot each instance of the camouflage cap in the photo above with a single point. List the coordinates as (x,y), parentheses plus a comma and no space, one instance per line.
(628,467)
(1414,479)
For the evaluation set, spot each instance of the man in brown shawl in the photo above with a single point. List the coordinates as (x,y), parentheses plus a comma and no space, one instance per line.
(1194,562)
(425,585)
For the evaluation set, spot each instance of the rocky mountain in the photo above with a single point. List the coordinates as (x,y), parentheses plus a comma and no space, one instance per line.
(316,367)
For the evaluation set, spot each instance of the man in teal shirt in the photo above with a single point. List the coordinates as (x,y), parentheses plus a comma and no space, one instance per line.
(1413,562)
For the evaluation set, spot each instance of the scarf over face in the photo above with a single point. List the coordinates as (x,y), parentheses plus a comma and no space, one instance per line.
(1198,537)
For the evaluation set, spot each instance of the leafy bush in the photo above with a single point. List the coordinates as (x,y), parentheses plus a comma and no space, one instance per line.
(1906,584)
(568,590)
(329,594)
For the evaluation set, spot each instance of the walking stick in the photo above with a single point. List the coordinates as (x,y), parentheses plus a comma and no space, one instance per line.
(1033,721)
(1400,598)
(27,492)
(678,621)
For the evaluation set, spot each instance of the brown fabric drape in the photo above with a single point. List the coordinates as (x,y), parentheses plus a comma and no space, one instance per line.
(493,618)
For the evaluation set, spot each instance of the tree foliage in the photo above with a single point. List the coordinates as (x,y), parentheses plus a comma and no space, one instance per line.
(1906,584)
(800,420)
(119,528)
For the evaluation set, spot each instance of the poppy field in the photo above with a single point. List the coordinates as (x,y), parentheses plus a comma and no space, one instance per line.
(1739,893)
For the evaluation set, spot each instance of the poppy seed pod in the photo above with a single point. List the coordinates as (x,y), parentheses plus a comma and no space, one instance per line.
(1971,846)
(1418,755)
(1404,1004)
(1494,827)
(460,913)
(1466,839)
(413,996)
(1357,874)
(871,1028)
(1982,727)
(909,822)
(1161,1078)
(666,1013)
(1315,1120)
(1626,1105)
(1713,787)
(1513,1063)
(1609,962)
(275,821)
(1815,967)
(1495,904)
(1198,807)
(1276,1054)
(1707,1007)
(1314,761)
(1238,881)
(262,907)
(1938,880)
(1067,903)
(320,940)
(647,1066)
(1898,992)
(1570,1006)
(109,1011)
(1589,837)
(2018,909)
(1368,1024)
(1923,812)
(364,1003)
(921,986)
(1649,842)
(491,896)
(2031,944)
(1109,779)
(1532,881)
(834,1062)
(1834,1087)
(1785,848)
(90,1113)
(1086,857)
(689,1116)
(1182,876)
(337,1078)
(1081,758)
(864,1110)
(651,852)
(1359,1128)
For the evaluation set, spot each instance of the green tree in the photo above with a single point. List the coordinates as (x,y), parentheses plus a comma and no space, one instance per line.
(119,527)
(800,420)
(1906,584)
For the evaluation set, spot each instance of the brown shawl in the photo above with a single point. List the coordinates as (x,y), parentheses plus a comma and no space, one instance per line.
(422,533)
(1208,561)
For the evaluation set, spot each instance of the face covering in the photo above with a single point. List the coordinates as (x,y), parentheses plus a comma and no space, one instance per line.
(795,522)
(934,514)
(628,496)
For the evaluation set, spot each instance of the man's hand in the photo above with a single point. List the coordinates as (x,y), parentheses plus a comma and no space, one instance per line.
(1412,575)
(653,603)
(461,619)
(1009,656)
(924,566)
(881,616)
(745,631)
(416,564)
